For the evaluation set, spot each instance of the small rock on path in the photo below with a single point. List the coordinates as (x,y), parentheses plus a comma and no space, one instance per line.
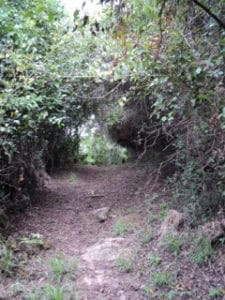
(101,214)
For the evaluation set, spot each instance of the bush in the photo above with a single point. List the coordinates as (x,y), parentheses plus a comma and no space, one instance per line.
(39,112)
(100,150)
(177,94)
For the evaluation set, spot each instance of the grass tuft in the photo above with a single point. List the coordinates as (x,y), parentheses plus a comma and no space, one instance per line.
(125,263)
(161,278)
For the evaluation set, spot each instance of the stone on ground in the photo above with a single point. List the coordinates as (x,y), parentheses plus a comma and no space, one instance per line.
(101,214)
(171,224)
(106,251)
(98,267)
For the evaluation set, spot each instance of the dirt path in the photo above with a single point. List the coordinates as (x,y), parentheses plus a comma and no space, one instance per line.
(118,259)
(65,215)
(65,218)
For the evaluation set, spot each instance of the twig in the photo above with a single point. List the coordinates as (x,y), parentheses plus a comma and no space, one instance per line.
(96,196)
(101,97)
(210,13)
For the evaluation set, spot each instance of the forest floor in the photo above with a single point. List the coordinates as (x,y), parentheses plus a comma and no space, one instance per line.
(70,251)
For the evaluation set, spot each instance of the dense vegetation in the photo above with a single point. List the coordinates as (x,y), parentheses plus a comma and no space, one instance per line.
(151,71)
(40,113)
(175,60)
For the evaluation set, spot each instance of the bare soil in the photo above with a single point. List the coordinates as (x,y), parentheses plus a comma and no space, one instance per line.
(108,260)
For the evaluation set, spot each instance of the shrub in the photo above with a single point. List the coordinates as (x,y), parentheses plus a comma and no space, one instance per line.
(203,251)
(39,113)
(176,94)
(101,150)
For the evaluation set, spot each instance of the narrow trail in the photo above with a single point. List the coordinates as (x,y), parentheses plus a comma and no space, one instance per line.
(121,258)
(65,218)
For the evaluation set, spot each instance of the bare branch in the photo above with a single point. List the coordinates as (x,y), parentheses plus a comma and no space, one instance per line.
(209,12)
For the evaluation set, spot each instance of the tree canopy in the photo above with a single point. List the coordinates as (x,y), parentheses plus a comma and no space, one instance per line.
(161,60)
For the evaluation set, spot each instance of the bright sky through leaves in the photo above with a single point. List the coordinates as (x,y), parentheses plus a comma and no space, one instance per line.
(90,8)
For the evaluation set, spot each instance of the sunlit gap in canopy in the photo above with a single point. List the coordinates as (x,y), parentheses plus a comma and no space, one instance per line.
(88,7)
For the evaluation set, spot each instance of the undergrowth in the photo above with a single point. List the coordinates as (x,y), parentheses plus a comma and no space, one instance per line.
(100,150)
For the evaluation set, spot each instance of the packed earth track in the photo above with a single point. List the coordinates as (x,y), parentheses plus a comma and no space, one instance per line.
(114,256)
